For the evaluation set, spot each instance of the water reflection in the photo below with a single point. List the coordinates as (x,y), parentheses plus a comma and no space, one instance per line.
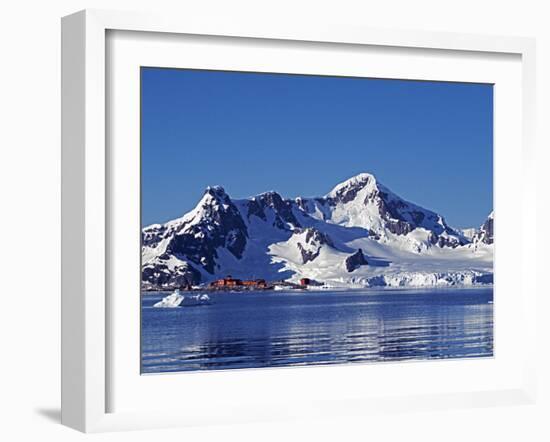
(278,329)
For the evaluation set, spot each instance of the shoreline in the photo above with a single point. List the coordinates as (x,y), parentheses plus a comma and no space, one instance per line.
(328,289)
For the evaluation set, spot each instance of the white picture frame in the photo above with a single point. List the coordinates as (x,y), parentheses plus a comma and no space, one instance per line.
(86,356)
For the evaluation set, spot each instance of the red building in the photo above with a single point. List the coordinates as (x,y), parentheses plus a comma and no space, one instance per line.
(233,282)
(305,281)
(260,283)
(227,282)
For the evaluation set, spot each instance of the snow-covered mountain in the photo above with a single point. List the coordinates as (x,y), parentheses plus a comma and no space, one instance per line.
(360,234)
(363,202)
(484,234)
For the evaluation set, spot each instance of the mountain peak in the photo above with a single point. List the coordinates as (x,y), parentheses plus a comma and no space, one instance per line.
(267,194)
(215,190)
(270,198)
(485,233)
(215,194)
(348,189)
(357,181)
(362,176)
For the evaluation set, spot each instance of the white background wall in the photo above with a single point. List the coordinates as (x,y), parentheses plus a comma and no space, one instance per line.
(29,215)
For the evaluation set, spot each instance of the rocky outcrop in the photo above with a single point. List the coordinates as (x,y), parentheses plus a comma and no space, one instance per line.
(160,274)
(446,241)
(486,231)
(310,243)
(282,209)
(353,262)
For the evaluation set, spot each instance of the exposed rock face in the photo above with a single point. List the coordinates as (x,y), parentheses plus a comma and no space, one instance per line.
(310,243)
(315,236)
(159,274)
(348,191)
(284,217)
(255,209)
(485,233)
(150,236)
(353,262)
(445,241)
(390,210)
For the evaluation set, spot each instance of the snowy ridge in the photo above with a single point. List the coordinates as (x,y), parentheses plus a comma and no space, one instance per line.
(363,202)
(357,181)
(484,235)
(358,234)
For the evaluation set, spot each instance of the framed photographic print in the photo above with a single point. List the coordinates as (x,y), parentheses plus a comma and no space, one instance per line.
(350,272)
(291,222)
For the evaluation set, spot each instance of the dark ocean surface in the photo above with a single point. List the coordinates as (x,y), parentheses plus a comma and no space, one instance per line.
(278,328)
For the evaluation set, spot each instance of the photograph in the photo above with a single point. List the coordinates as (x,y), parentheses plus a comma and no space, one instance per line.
(303,220)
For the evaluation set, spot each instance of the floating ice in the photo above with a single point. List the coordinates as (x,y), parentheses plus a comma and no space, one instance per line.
(171,301)
(176,299)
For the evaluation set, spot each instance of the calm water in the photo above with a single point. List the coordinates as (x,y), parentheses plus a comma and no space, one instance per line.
(269,329)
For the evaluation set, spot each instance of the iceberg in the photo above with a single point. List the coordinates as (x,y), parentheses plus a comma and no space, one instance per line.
(176,299)
(170,301)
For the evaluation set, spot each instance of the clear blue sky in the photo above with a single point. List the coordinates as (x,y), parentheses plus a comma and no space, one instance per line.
(429,142)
